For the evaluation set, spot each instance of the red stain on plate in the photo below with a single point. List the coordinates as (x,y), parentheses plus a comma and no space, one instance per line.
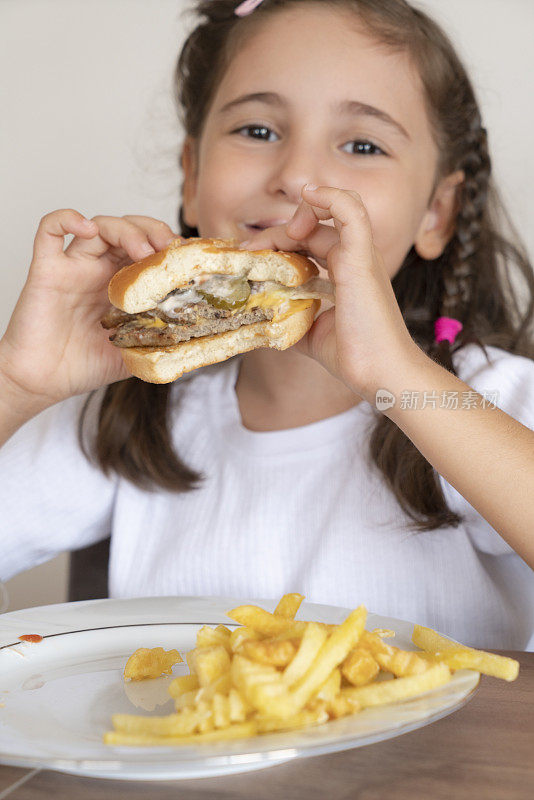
(31,637)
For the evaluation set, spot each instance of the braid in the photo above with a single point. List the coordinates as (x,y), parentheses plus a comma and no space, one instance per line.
(459,280)
(459,274)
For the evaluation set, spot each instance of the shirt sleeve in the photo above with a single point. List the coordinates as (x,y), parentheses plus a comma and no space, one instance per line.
(507,381)
(52,498)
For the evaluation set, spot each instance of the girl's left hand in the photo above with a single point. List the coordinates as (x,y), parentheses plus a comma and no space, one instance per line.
(363,338)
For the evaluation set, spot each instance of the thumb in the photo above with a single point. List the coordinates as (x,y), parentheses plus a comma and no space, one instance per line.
(319,342)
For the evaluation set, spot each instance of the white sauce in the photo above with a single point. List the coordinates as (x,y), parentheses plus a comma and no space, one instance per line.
(221,286)
(174,303)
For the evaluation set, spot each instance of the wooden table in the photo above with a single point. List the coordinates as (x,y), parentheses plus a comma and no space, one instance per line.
(483,751)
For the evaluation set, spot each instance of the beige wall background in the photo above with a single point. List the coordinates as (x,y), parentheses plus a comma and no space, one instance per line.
(88,123)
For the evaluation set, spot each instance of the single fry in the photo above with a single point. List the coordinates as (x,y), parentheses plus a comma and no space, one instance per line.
(312,641)
(247,675)
(400,663)
(341,706)
(384,633)
(301,720)
(221,711)
(359,667)
(238,707)
(331,687)
(289,605)
(298,629)
(205,711)
(183,684)
(150,663)
(172,725)
(241,635)
(399,688)
(266,624)
(487,663)
(140,740)
(461,657)
(260,620)
(204,693)
(270,651)
(428,639)
(212,637)
(209,663)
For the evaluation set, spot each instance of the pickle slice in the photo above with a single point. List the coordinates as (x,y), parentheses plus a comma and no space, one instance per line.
(225,292)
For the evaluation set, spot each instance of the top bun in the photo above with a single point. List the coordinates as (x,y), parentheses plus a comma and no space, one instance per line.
(141,286)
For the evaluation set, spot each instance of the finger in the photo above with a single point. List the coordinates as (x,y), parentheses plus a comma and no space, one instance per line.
(113,232)
(305,219)
(315,246)
(160,235)
(350,219)
(53,227)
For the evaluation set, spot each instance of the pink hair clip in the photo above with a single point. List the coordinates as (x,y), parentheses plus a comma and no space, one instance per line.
(447,328)
(247,7)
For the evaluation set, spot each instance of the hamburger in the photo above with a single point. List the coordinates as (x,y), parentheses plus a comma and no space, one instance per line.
(201,301)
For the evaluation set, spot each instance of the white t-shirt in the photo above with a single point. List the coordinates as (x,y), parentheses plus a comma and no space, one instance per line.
(296,510)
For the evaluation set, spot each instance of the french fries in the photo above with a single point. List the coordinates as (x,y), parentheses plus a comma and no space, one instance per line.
(274,673)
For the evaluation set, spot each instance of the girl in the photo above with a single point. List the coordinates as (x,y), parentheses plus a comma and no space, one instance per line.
(367,464)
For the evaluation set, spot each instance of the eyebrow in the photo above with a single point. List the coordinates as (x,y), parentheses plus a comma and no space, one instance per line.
(346,108)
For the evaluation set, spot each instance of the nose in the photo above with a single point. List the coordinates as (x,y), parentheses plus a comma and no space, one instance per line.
(298,162)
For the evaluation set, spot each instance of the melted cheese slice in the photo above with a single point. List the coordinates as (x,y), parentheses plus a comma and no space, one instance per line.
(281,301)
(152,322)
(286,300)
(290,307)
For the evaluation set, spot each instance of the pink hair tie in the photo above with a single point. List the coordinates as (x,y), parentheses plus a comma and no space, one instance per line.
(247,7)
(447,328)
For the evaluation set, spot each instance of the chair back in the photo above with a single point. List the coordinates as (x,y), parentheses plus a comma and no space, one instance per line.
(88,572)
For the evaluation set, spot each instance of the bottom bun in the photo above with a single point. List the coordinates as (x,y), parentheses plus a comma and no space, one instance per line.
(164,365)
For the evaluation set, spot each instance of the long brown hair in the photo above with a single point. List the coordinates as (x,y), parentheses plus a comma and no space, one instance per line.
(474,280)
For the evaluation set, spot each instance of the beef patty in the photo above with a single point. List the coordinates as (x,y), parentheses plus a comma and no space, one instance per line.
(189,315)
(131,333)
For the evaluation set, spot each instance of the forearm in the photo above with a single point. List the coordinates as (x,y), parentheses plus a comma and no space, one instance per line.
(16,405)
(481,451)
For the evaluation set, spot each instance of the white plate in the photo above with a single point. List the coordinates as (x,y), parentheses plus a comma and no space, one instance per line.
(58,695)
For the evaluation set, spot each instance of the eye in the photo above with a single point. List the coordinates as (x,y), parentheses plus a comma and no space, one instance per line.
(365,148)
(260,132)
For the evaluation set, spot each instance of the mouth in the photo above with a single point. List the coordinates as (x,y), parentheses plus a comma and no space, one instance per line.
(262,224)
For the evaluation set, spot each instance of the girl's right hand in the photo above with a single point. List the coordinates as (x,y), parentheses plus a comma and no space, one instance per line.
(54,346)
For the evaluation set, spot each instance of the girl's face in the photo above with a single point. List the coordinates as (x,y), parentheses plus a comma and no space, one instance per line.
(310,97)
